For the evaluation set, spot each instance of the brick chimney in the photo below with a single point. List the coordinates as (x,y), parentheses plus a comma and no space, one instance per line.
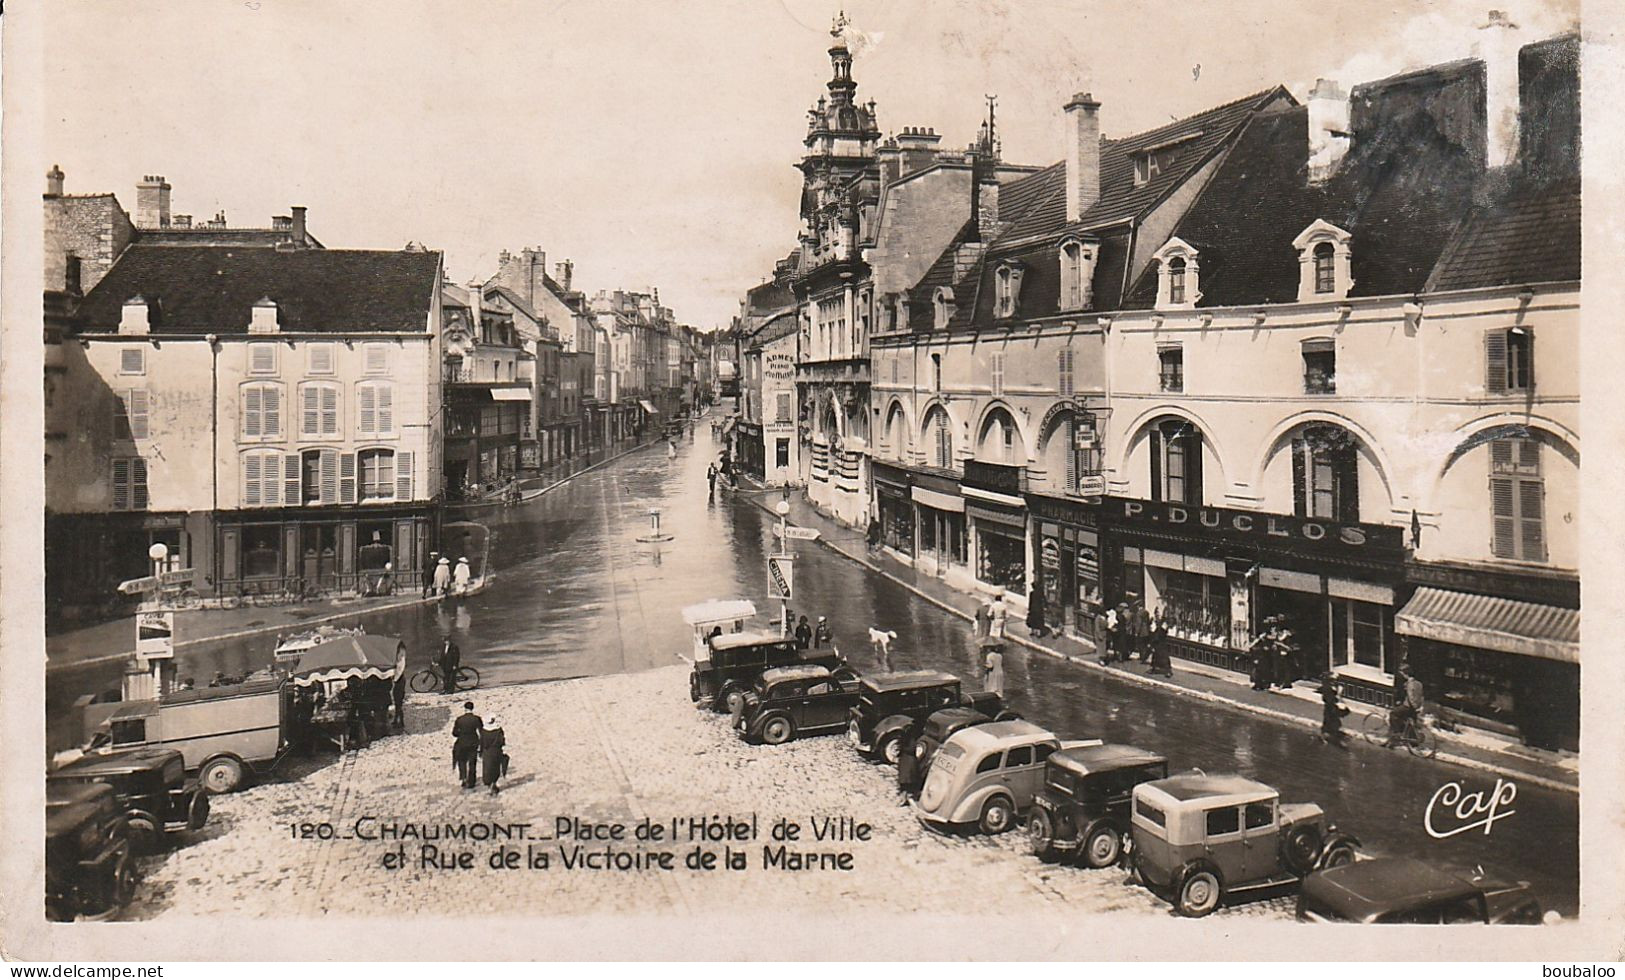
(1328,128)
(891,160)
(53,181)
(298,212)
(918,146)
(476,309)
(1082,155)
(1497,46)
(136,317)
(562,273)
(152,202)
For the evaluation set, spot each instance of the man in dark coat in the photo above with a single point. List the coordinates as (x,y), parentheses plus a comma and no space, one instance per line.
(450,659)
(465,744)
(1157,642)
(398,694)
(428,573)
(823,636)
(1140,630)
(1332,711)
(1035,609)
(1263,652)
(804,634)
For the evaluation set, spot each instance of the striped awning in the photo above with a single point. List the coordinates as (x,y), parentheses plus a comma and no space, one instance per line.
(1492,623)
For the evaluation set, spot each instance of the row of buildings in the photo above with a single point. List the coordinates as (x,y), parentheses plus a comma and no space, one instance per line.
(287,417)
(1272,362)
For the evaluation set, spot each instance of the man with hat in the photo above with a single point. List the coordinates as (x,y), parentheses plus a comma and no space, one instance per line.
(460,578)
(823,636)
(449,660)
(429,569)
(465,744)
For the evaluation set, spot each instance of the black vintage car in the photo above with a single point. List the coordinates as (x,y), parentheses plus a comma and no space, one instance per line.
(789,702)
(736,660)
(915,759)
(89,870)
(892,707)
(150,784)
(1405,890)
(1082,811)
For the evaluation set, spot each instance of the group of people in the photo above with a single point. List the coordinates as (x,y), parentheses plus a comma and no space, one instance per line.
(443,579)
(478,749)
(1125,633)
(1275,656)
(809,636)
(991,617)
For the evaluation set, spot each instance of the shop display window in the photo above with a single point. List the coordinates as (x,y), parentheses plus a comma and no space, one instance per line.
(1358,635)
(1002,561)
(1191,602)
(262,551)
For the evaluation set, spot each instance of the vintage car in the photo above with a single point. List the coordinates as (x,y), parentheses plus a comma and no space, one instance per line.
(151,786)
(788,702)
(892,707)
(736,660)
(1202,839)
(89,868)
(1405,890)
(915,758)
(987,775)
(1082,812)
(705,618)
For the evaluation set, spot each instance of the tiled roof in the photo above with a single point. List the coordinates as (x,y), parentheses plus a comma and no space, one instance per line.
(205,235)
(1530,236)
(515,301)
(212,289)
(941,273)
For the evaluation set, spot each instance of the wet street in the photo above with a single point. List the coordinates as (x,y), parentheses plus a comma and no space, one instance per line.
(577,594)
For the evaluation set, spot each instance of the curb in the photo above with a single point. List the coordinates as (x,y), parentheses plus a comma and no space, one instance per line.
(1296,720)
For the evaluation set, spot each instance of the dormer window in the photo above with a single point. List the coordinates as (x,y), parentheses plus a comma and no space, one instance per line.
(1077,274)
(1323,263)
(942,307)
(1007,289)
(1146,168)
(1178,283)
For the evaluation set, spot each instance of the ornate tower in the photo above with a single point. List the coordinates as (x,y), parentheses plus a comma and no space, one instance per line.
(840,154)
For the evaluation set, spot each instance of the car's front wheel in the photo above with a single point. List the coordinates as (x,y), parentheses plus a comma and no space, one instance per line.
(1337,855)
(1199,893)
(777,730)
(1103,848)
(890,749)
(221,775)
(144,834)
(998,816)
(1041,832)
(733,700)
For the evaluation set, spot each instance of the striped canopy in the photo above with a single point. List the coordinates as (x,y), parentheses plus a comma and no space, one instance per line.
(361,655)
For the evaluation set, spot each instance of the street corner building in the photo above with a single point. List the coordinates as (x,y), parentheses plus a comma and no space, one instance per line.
(1271,365)
(267,408)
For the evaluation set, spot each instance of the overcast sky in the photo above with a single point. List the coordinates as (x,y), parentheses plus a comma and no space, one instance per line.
(652,142)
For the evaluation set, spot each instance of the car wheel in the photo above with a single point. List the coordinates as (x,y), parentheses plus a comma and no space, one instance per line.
(221,775)
(1007,715)
(998,816)
(1337,855)
(733,700)
(777,730)
(1199,894)
(693,689)
(890,749)
(1103,848)
(1041,832)
(143,833)
(1301,848)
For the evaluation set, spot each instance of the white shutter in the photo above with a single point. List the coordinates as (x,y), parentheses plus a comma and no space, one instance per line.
(330,410)
(386,404)
(137,404)
(132,360)
(347,478)
(310,413)
(252,410)
(121,484)
(403,476)
(272,402)
(377,358)
(269,484)
(369,414)
(251,479)
(262,358)
(330,476)
(291,481)
(998,375)
(321,358)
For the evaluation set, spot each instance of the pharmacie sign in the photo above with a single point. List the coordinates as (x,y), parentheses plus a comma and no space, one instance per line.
(1254,528)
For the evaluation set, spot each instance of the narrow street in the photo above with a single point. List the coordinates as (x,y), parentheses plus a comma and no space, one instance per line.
(578,595)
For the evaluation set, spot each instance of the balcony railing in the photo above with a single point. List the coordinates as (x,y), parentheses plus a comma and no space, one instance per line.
(995,477)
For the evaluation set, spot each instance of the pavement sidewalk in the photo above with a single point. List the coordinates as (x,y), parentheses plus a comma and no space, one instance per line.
(1300,706)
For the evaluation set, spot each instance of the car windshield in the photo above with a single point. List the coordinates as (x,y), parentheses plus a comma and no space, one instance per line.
(1060,780)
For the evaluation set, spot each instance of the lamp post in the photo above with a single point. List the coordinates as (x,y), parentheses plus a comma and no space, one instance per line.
(783,509)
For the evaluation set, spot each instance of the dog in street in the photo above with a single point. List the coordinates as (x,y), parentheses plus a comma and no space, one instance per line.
(881,641)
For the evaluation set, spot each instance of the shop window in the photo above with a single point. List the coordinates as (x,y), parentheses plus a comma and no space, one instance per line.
(1359,634)
(1176,462)
(1325,475)
(1001,560)
(262,551)
(130,483)
(1517,492)
(377,474)
(1510,359)
(1190,601)
(1171,369)
(1319,367)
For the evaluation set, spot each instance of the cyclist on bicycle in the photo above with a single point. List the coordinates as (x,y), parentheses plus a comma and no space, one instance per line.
(449,660)
(1407,708)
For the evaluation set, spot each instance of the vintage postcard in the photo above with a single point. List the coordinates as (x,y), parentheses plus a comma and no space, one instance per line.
(792,480)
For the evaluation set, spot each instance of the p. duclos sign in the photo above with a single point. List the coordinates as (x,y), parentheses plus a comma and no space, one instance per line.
(1253,527)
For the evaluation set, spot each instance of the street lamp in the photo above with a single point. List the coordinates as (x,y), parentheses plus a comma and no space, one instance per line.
(158,552)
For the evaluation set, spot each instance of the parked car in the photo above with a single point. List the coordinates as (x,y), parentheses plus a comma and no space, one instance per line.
(1202,839)
(789,702)
(89,868)
(987,775)
(704,618)
(892,707)
(151,786)
(915,758)
(1405,890)
(1082,811)
(225,734)
(737,659)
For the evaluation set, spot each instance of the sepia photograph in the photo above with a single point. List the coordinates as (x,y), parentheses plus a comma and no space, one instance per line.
(1040,480)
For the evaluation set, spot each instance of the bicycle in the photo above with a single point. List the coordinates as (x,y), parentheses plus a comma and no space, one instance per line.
(430,679)
(1415,735)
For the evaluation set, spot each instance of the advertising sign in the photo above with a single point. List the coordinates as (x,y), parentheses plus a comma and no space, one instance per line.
(155,634)
(781,568)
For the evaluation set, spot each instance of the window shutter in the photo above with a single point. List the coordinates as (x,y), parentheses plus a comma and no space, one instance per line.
(330,476)
(291,482)
(252,410)
(1495,361)
(330,410)
(269,485)
(132,360)
(1529,358)
(138,413)
(377,358)
(1500,455)
(271,425)
(1155,443)
(121,485)
(321,358)
(369,414)
(1193,465)
(138,484)
(403,476)
(1068,431)
(262,358)
(1530,520)
(998,375)
(386,415)
(1300,488)
(310,417)
(251,480)
(1504,520)
(1347,469)
(1529,455)
(347,478)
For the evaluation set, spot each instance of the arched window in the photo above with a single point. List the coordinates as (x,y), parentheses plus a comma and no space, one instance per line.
(1176,280)
(1325,267)
(942,440)
(1176,462)
(1325,474)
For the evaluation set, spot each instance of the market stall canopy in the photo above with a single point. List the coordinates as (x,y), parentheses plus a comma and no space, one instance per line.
(351,656)
(1492,623)
(718,611)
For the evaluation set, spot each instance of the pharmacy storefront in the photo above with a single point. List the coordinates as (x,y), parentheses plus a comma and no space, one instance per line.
(1066,554)
(1219,577)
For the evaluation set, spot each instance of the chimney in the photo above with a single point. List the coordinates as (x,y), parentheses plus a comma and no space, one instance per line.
(136,317)
(918,146)
(298,212)
(152,202)
(561,272)
(503,257)
(53,181)
(1082,155)
(181,221)
(1497,46)
(1328,128)
(476,307)
(281,223)
(538,275)
(262,317)
(891,160)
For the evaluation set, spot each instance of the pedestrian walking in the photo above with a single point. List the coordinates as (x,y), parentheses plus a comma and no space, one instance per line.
(711,479)
(461,577)
(671,448)
(465,744)
(984,619)
(993,670)
(999,612)
(1140,630)
(1035,609)
(1286,656)
(429,569)
(1124,647)
(1332,711)
(1102,634)
(804,634)
(823,636)
(873,534)
(449,660)
(1157,643)
(493,753)
(441,583)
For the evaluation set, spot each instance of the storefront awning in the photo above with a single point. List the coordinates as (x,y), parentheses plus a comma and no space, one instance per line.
(941,501)
(1492,623)
(648,406)
(510,394)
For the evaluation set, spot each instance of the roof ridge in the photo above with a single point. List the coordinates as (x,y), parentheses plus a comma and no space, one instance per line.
(1259,96)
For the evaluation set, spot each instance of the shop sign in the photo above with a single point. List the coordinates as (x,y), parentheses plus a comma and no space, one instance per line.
(779,367)
(1074,512)
(1252,527)
(1051,555)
